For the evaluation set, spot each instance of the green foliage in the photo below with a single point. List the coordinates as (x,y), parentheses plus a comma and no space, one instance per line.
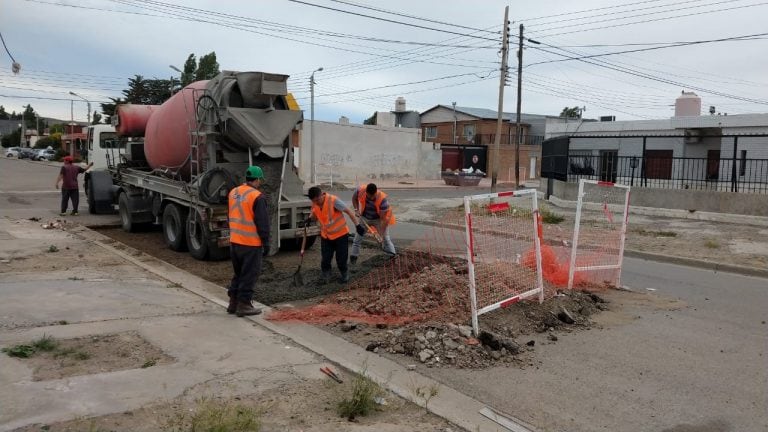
(45,343)
(711,244)
(3,114)
(361,401)
(53,141)
(644,232)
(550,217)
(12,139)
(52,249)
(96,118)
(188,76)
(574,112)
(207,67)
(23,351)
(149,363)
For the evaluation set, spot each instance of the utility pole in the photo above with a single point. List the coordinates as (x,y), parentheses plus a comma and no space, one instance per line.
(454,123)
(518,132)
(502,83)
(313,171)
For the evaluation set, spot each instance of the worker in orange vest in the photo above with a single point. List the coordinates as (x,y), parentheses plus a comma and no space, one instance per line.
(371,206)
(329,211)
(249,240)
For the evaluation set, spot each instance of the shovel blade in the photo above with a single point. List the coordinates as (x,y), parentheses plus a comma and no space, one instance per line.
(298,279)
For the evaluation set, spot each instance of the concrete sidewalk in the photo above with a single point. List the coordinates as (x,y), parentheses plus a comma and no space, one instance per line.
(98,287)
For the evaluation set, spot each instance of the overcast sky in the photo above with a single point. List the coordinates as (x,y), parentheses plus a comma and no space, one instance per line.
(428,51)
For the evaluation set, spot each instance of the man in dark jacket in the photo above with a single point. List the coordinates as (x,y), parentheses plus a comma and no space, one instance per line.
(249,241)
(68,180)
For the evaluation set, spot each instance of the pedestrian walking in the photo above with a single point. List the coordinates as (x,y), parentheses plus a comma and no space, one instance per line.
(249,241)
(371,206)
(68,180)
(329,210)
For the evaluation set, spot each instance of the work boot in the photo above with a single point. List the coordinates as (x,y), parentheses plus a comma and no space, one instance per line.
(353,260)
(245,308)
(63,214)
(344,277)
(325,278)
(232,307)
(74,213)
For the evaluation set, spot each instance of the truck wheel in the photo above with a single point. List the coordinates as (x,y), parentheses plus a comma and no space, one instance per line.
(90,195)
(174,222)
(201,244)
(125,213)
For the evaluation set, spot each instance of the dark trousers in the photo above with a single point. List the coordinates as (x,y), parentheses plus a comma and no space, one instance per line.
(246,261)
(328,248)
(66,195)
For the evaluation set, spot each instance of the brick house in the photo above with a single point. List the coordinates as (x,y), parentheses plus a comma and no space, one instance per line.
(475,131)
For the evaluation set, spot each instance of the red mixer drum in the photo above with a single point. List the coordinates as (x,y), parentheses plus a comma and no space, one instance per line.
(167,136)
(132,119)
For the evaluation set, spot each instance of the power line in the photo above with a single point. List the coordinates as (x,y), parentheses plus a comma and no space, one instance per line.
(388,20)
(589,10)
(671,45)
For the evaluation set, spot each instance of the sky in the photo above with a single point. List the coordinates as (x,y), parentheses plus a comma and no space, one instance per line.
(428,51)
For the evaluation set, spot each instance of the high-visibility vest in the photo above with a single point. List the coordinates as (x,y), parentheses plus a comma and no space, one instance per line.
(332,223)
(242,227)
(362,196)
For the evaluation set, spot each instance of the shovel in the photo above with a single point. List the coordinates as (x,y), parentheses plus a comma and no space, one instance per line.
(376,235)
(298,280)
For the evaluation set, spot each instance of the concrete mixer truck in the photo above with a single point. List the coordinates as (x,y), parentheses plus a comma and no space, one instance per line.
(174,164)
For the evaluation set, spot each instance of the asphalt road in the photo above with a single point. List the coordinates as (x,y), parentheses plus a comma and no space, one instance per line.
(686,354)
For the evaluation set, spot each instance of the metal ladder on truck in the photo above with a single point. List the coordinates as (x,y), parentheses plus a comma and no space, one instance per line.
(205,118)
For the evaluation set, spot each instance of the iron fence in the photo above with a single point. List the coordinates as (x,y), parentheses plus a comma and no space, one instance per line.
(710,174)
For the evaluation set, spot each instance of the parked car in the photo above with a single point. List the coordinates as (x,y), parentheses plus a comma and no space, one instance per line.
(45,155)
(27,153)
(12,152)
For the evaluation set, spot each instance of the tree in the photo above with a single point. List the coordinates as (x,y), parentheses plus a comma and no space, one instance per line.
(574,112)
(109,108)
(189,71)
(12,139)
(4,115)
(207,67)
(96,118)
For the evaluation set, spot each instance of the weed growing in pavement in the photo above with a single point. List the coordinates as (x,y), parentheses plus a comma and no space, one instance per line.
(63,322)
(174,285)
(215,416)
(711,244)
(362,399)
(425,393)
(149,363)
(52,248)
(45,343)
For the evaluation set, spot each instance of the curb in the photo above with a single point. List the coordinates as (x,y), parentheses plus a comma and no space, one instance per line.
(702,264)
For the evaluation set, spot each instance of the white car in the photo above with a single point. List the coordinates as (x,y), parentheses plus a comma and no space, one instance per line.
(45,155)
(12,152)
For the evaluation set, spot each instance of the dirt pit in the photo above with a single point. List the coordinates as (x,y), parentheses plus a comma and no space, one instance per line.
(53,358)
(391,305)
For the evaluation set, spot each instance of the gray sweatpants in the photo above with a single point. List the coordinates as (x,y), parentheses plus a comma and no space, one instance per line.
(387,244)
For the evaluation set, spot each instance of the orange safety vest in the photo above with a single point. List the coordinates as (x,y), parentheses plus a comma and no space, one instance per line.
(332,223)
(362,196)
(242,227)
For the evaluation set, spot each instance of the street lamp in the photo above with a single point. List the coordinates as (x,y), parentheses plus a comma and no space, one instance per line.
(86,101)
(312,118)
(180,75)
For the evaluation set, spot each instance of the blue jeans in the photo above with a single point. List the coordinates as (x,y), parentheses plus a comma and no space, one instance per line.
(386,243)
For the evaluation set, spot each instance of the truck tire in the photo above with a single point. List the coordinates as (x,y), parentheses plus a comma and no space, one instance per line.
(201,244)
(98,189)
(127,218)
(174,227)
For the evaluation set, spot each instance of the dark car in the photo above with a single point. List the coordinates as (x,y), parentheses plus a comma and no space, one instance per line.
(27,153)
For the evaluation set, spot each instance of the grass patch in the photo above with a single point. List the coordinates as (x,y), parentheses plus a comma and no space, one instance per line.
(21,351)
(361,400)
(550,217)
(149,363)
(216,416)
(52,248)
(644,232)
(711,244)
